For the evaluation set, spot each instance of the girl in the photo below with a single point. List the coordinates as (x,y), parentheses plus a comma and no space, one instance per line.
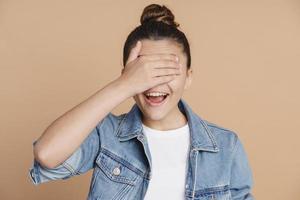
(160,149)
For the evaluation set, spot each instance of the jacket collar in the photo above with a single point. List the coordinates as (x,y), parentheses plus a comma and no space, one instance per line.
(201,136)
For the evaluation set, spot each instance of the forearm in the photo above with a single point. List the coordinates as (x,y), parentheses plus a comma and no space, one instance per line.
(66,133)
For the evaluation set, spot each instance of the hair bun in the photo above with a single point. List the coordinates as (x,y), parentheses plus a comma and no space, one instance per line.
(155,12)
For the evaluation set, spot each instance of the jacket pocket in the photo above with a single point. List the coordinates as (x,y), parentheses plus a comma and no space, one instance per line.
(114,177)
(116,168)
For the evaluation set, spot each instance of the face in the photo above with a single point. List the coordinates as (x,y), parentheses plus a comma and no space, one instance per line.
(175,88)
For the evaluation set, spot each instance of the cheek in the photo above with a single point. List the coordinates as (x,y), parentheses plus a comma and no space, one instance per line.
(177,84)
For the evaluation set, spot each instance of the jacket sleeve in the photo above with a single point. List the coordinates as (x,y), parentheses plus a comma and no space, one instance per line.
(241,176)
(80,161)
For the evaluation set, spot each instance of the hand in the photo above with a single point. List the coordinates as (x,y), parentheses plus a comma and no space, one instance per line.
(142,72)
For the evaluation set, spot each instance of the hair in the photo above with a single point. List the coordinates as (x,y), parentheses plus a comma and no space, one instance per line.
(157,23)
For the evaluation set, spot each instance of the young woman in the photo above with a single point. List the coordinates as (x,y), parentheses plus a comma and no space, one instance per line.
(160,149)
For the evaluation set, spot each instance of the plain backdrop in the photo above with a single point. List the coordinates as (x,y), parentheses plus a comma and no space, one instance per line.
(245,57)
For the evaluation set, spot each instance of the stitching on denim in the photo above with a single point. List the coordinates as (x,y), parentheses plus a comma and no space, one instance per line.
(69,167)
(99,146)
(124,162)
(95,176)
(221,189)
(195,176)
(119,195)
(210,135)
(234,149)
(120,125)
(215,125)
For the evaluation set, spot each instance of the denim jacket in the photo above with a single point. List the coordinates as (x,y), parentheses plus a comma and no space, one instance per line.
(118,152)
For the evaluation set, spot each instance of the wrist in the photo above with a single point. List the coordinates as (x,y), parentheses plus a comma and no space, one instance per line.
(124,89)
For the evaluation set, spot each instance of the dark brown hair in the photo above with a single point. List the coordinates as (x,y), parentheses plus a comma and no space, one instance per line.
(157,23)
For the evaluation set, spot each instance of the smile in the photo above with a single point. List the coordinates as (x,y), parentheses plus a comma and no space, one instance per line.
(156,100)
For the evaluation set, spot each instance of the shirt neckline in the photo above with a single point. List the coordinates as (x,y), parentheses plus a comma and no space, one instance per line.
(166,132)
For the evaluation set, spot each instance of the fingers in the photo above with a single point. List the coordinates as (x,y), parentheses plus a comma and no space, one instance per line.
(167,72)
(165,68)
(164,79)
(165,64)
(134,52)
(160,56)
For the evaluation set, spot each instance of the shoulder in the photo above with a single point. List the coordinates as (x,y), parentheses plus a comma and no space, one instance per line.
(226,138)
(111,118)
(110,123)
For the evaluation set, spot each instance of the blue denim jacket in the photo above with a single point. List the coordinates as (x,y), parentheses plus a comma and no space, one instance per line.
(118,152)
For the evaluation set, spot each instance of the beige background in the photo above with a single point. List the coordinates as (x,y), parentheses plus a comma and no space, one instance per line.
(245,56)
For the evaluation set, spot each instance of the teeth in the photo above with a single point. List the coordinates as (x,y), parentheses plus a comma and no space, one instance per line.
(155,94)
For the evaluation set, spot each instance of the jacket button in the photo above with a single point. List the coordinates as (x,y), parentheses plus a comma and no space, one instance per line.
(116,171)
(140,137)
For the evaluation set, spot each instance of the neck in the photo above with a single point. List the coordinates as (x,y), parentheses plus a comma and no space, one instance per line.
(175,119)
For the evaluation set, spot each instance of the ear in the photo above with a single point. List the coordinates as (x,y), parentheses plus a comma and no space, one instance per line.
(188,80)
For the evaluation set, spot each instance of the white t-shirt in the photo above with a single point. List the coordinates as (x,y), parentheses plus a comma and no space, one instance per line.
(169,151)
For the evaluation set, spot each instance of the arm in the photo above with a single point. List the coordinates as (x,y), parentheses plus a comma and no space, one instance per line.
(78,163)
(241,175)
(67,132)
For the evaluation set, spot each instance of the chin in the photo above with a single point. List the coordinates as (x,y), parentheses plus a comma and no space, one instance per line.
(153,115)
(152,112)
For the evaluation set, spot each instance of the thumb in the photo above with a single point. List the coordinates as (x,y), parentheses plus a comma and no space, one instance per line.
(134,52)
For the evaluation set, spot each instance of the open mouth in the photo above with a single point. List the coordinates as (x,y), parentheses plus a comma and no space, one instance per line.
(156,100)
